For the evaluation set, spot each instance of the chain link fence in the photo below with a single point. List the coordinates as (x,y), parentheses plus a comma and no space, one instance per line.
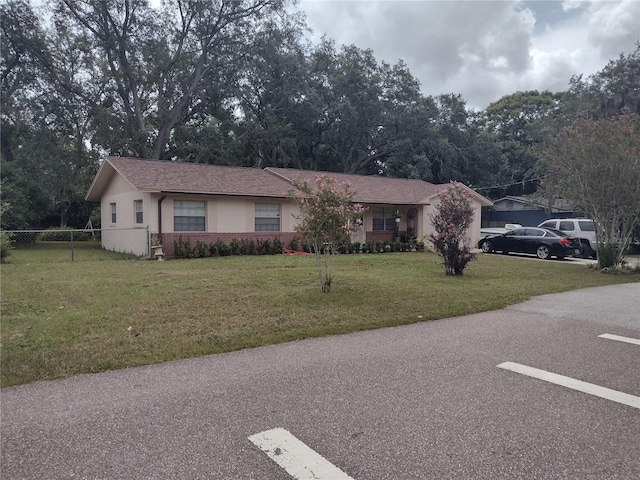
(63,245)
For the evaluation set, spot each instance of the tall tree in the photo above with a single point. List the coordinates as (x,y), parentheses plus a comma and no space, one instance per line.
(614,90)
(517,121)
(446,143)
(159,60)
(357,110)
(47,93)
(599,166)
(270,90)
(22,37)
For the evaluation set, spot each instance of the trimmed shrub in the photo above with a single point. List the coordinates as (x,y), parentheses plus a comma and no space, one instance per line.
(247,247)
(5,246)
(183,249)
(264,247)
(277,246)
(62,234)
(223,249)
(201,249)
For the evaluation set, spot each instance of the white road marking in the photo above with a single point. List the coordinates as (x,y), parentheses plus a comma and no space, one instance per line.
(298,460)
(579,385)
(619,338)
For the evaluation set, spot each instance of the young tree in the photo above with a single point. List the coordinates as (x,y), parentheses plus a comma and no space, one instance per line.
(327,218)
(598,165)
(451,222)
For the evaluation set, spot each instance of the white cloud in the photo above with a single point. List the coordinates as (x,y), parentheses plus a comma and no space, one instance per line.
(484,49)
(572,4)
(612,24)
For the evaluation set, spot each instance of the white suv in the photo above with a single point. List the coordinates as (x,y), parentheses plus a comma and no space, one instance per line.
(581,228)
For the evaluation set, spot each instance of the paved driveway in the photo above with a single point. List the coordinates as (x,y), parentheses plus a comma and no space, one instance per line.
(416,402)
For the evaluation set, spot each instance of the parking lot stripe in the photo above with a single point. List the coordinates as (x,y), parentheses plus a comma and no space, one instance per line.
(579,385)
(296,458)
(610,336)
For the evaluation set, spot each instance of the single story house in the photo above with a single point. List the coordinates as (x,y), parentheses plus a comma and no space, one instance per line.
(146,199)
(525,211)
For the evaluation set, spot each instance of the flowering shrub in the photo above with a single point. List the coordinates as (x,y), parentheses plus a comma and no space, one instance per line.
(327,219)
(451,222)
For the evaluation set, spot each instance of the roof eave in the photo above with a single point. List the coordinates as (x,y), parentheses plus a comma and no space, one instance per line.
(202,192)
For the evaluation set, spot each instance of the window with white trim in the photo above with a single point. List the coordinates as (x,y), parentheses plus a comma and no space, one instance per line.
(384,218)
(137,208)
(113,212)
(188,216)
(267,217)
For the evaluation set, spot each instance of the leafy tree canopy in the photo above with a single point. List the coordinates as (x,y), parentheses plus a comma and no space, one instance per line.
(238,83)
(598,165)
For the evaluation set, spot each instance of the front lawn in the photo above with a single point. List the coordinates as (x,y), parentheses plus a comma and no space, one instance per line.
(66,318)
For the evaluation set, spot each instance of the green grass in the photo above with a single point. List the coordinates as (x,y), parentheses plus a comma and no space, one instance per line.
(62,318)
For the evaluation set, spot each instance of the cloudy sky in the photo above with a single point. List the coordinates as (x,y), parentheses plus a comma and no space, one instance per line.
(484,49)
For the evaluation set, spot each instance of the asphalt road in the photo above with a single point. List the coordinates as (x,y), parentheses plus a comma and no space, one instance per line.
(417,402)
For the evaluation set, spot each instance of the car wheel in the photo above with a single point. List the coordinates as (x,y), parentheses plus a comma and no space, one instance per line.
(486,246)
(585,250)
(543,252)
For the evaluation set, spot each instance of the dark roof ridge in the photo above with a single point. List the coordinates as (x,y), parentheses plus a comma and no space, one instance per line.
(325,172)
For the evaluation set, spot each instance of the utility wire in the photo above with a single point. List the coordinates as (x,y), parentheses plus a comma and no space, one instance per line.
(521,182)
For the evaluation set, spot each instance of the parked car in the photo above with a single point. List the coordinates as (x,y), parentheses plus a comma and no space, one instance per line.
(544,242)
(583,229)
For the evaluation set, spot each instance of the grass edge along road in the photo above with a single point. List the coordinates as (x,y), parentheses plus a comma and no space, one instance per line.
(67,318)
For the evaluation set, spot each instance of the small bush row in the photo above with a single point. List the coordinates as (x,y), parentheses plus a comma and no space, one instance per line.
(381,247)
(27,238)
(183,248)
(62,234)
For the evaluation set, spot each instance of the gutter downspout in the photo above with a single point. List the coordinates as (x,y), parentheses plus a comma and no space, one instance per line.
(160,200)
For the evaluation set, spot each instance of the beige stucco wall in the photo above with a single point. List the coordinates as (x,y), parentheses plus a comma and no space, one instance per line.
(474,230)
(224,215)
(125,235)
(473,235)
(229,214)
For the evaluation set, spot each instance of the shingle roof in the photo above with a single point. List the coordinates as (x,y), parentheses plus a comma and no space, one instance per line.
(371,188)
(559,204)
(168,176)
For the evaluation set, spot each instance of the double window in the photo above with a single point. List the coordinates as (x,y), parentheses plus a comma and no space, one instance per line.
(137,208)
(267,217)
(188,216)
(384,218)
